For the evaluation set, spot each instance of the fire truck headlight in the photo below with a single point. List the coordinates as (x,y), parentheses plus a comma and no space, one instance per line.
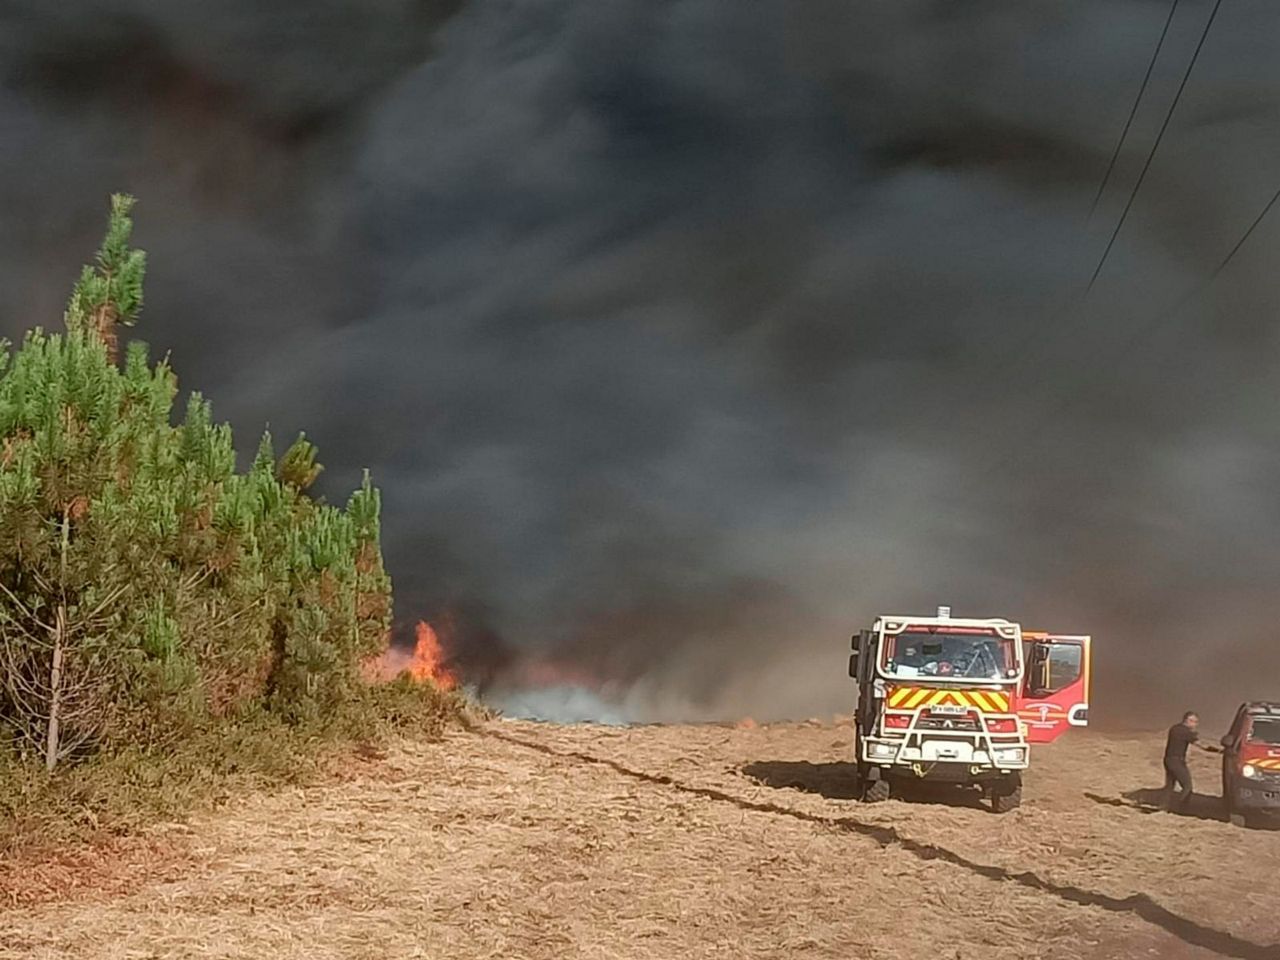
(1011,755)
(884,750)
(1250,771)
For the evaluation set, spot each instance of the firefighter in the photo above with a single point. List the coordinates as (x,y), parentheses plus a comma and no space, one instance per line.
(1176,772)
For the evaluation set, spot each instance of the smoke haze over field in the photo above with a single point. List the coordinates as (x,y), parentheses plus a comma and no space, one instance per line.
(686,337)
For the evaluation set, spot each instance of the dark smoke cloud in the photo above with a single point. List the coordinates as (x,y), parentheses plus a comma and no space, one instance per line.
(685,337)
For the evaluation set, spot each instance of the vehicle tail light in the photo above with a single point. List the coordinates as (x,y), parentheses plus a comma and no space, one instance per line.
(896,721)
(1002,725)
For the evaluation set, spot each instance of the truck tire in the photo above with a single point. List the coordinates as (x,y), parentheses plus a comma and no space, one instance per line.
(876,791)
(1006,795)
(1229,807)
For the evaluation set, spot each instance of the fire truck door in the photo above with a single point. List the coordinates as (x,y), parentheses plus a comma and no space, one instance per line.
(1055,695)
(862,667)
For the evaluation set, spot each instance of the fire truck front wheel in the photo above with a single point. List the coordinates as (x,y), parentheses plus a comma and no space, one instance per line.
(1006,794)
(875,791)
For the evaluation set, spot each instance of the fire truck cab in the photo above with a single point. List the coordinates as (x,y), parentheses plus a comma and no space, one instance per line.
(961,701)
(1251,765)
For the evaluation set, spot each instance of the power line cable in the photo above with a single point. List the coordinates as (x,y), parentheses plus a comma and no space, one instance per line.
(1146,330)
(1155,146)
(1198,288)
(1133,111)
(1275,197)
(1017,349)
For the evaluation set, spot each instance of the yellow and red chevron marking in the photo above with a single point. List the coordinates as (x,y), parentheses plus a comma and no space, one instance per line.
(909,698)
(1272,763)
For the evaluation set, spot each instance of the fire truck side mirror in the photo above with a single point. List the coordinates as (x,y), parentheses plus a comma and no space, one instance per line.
(855,642)
(1228,741)
(853,665)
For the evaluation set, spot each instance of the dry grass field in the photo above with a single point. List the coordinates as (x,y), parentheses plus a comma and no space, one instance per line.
(532,841)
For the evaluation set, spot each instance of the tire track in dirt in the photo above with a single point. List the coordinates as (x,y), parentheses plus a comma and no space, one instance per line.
(1141,905)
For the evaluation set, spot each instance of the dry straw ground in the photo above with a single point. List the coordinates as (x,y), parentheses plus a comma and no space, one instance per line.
(528,841)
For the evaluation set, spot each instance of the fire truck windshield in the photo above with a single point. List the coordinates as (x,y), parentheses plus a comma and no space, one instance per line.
(956,656)
(1265,730)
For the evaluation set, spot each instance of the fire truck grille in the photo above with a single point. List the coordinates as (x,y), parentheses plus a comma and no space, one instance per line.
(947,723)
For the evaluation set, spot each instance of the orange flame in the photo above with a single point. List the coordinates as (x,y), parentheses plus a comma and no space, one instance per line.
(426,663)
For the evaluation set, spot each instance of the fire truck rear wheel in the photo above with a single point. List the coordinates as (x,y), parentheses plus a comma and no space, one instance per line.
(876,791)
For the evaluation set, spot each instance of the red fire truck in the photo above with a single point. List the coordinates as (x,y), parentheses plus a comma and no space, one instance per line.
(961,700)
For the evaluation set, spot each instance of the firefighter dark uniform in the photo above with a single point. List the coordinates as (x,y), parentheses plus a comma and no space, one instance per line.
(1176,771)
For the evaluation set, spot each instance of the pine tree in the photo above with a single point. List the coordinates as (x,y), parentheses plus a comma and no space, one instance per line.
(146,586)
(109,291)
(298,467)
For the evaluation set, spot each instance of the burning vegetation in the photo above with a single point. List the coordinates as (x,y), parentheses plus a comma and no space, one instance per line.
(427,662)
